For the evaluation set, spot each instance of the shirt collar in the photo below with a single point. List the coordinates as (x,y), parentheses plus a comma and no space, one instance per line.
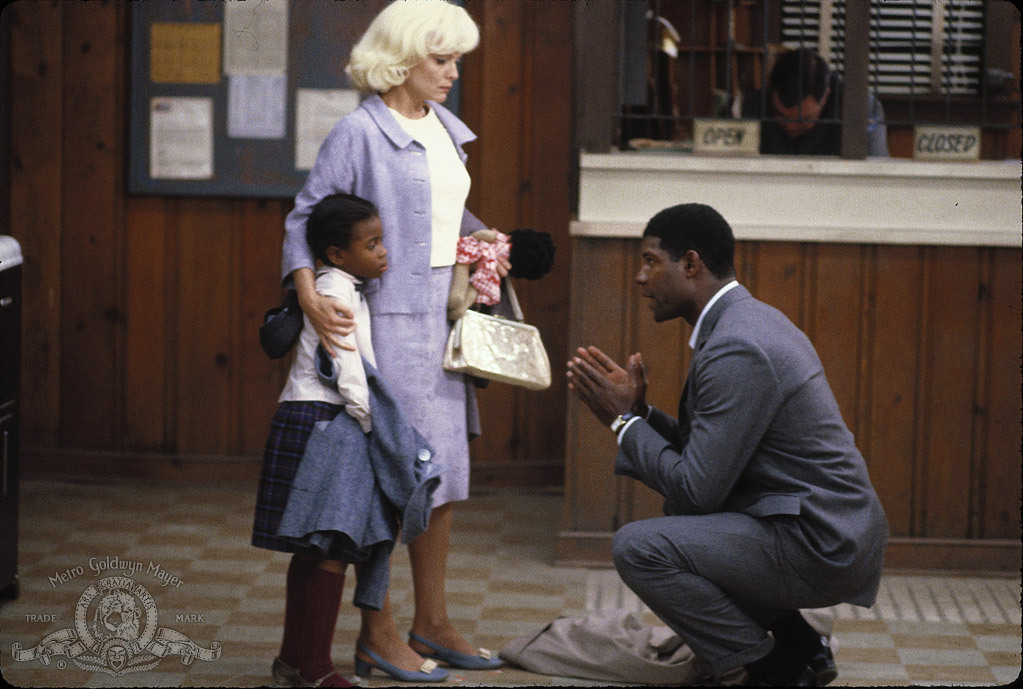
(699,321)
(381,114)
(360,285)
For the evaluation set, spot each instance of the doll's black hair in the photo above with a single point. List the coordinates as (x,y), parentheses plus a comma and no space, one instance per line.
(532,253)
(332,222)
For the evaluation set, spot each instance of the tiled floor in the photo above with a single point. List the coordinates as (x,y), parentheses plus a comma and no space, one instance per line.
(208,585)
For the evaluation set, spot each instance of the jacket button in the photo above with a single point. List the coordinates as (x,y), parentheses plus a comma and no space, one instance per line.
(423,455)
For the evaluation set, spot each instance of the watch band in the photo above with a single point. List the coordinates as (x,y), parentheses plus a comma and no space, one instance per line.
(621,420)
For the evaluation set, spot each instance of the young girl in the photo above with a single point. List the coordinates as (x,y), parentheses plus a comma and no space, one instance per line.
(345,234)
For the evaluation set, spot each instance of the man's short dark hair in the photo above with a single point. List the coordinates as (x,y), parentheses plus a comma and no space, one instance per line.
(698,227)
(332,222)
(798,74)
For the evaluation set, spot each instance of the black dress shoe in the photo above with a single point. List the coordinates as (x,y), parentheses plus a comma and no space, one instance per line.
(823,664)
(806,678)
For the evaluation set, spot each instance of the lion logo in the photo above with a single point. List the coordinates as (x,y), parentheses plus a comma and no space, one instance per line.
(120,636)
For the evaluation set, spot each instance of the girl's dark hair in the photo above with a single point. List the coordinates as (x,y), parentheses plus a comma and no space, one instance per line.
(798,74)
(698,227)
(332,222)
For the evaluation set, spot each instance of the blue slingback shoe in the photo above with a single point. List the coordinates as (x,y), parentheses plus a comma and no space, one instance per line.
(486,660)
(428,671)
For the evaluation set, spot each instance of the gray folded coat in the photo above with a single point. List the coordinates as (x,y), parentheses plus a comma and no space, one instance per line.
(615,646)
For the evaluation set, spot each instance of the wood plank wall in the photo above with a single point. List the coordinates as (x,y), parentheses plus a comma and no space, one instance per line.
(921,346)
(140,318)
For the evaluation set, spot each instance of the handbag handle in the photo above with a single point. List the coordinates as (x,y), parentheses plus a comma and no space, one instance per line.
(513,299)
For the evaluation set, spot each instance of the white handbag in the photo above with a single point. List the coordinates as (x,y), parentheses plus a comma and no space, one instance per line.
(496,348)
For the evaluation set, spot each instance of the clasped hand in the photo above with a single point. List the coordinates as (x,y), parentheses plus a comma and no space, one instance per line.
(605,387)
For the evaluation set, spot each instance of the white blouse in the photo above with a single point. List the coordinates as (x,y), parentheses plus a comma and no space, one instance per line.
(449,183)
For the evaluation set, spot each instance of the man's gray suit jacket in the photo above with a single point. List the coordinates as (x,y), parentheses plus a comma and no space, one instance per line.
(760,432)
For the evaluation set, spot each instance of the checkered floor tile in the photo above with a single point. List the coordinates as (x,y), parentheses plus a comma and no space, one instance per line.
(187,547)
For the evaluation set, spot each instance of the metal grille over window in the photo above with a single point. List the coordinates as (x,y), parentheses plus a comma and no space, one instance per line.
(928,63)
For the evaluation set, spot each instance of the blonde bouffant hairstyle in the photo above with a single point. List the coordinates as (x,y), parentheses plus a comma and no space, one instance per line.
(404,34)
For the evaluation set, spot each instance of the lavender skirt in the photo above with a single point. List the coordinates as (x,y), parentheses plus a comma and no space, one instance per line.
(409,351)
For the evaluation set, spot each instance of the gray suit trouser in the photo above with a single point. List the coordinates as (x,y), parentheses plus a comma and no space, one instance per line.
(717,580)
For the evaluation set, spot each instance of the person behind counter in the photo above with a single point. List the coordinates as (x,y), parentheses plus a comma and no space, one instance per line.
(804,109)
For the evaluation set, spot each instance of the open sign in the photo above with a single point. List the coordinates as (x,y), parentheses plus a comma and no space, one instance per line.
(737,137)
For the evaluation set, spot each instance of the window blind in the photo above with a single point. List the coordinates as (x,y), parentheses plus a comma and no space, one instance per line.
(916,46)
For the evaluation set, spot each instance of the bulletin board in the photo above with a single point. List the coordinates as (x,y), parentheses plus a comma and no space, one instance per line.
(233,98)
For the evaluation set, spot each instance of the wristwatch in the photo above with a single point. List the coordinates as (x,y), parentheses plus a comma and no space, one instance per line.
(621,420)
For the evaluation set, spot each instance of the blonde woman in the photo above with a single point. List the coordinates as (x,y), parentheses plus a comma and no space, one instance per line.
(402,150)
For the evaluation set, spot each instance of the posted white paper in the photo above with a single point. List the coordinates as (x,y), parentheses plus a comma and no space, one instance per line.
(318,110)
(256,106)
(181,138)
(256,37)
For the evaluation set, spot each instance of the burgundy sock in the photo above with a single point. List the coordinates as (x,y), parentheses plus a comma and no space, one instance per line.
(294,608)
(322,603)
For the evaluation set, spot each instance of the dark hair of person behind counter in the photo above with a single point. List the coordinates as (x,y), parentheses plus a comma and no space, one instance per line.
(798,74)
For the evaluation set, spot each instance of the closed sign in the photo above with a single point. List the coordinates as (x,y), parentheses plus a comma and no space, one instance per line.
(946,143)
(726,136)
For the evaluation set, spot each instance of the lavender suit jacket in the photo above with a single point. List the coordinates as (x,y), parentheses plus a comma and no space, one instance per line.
(368,154)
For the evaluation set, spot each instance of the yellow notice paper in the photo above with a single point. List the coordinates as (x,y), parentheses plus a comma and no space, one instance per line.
(184,53)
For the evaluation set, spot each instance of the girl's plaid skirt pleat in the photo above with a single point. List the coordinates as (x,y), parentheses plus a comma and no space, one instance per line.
(289,432)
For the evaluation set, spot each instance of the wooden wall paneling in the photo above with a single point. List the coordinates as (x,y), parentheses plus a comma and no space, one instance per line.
(836,317)
(999,468)
(981,382)
(206,317)
(949,385)
(595,76)
(591,495)
(92,184)
(889,447)
(777,277)
(544,206)
(147,271)
(259,379)
(172,304)
(496,198)
(745,258)
(35,206)
(867,333)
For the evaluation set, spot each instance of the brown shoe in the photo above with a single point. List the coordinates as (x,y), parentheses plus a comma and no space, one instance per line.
(284,675)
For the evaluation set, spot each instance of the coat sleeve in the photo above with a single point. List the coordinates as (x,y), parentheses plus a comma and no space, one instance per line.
(351,376)
(470,223)
(334,171)
(735,396)
(666,427)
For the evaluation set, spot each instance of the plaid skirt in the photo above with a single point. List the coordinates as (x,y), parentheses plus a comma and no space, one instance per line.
(289,432)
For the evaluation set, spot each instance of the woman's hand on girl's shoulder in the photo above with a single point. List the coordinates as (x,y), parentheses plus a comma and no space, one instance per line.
(332,322)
